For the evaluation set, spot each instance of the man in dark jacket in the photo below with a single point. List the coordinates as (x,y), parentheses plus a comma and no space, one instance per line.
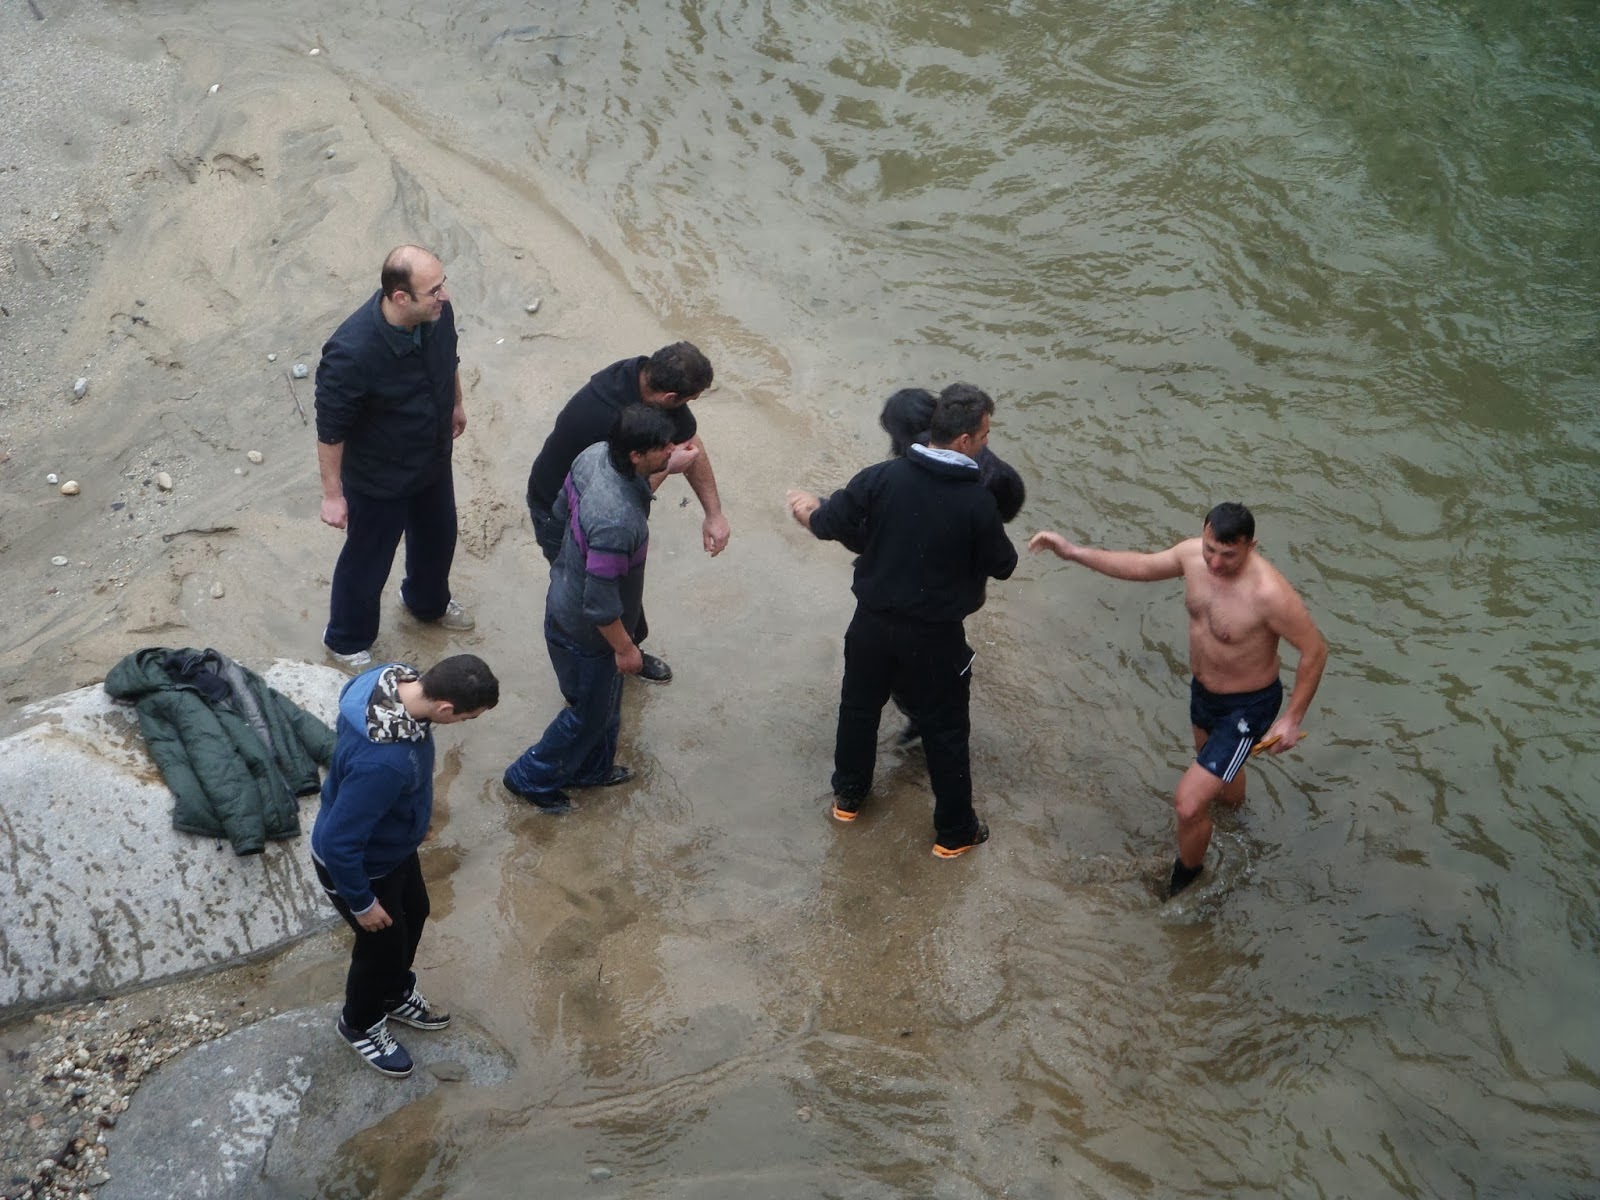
(594,609)
(388,409)
(932,537)
(667,380)
(377,802)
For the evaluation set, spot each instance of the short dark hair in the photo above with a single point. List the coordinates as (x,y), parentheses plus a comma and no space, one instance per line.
(960,409)
(679,368)
(637,427)
(905,418)
(463,680)
(1003,482)
(1231,521)
(396,273)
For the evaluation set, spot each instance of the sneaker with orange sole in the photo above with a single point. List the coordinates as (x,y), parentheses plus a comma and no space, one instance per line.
(980,835)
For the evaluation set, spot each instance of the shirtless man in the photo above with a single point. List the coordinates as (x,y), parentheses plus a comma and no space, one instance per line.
(1239,607)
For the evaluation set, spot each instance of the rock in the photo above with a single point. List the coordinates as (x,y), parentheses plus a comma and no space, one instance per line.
(218,591)
(52,478)
(98,1178)
(213,89)
(36,1121)
(254,456)
(599,1174)
(447,1072)
(240,471)
(803,1114)
(69,488)
(164,481)
(328,153)
(272,358)
(300,371)
(314,51)
(532,306)
(80,386)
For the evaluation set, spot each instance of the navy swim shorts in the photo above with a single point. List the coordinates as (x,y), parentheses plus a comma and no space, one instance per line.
(1233,722)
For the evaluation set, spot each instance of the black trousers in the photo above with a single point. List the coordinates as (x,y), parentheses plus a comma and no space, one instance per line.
(380,963)
(929,667)
(427,522)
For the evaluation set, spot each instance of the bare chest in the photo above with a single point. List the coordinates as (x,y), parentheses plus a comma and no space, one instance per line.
(1225,615)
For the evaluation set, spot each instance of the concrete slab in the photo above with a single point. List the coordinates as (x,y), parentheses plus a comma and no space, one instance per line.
(98,892)
(262,1111)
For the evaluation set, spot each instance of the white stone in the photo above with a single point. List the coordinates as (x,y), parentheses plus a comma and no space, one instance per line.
(314,51)
(254,456)
(69,488)
(272,358)
(80,386)
(59,560)
(52,478)
(218,591)
(328,153)
(532,306)
(164,481)
(300,371)
(212,90)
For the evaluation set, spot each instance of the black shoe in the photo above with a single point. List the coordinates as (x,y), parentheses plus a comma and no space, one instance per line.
(845,808)
(554,803)
(1182,877)
(617,774)
(416,1012)
(654,669)
(980,835)
(908,737)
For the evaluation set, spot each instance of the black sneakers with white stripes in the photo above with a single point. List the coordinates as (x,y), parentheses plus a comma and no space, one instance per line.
(378,1048)
(416,1012)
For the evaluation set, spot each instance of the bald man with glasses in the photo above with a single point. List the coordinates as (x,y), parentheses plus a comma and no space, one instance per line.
(388,412)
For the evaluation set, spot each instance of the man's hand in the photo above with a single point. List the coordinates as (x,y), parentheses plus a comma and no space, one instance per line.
(335,511)
(1047,540)
(629,661)
(1283,735)
(458,420)
(683,457)
(714,533)
(802,505)
(374,919)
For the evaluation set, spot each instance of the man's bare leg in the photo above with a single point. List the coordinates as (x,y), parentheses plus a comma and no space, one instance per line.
(1196,790)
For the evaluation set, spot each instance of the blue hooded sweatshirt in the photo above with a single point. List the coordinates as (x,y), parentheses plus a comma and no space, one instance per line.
(377,799)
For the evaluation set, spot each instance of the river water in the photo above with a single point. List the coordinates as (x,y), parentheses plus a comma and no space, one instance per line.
(1334,258)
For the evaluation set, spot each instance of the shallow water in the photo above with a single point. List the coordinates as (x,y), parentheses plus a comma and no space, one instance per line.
(1336,260)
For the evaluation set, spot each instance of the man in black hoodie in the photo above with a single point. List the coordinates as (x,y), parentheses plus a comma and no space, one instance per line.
(668,380)
(932,538)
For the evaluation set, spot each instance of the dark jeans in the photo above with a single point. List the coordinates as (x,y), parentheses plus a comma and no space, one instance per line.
(380,963)
(373,530)
(580,745)
(929,667)
(549,532)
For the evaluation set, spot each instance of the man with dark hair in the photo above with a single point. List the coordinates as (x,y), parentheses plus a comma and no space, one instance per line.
(667,380)
(931,538)
(593,610)
(388,409)
(377,802)
(1240,606)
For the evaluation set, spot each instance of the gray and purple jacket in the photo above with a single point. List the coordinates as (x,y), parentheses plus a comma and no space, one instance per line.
(599,574)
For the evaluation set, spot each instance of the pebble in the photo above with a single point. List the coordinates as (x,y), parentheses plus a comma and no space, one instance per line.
(447,1072)
(52,478)
(599,1174)
(532,306)
(69,488)
(218,591)
(164,481)
(328,153)
(272,358)
(80,386)
(254,456)
(803,1113)
(240,471)
(314,51)
(300,371)
(213,89)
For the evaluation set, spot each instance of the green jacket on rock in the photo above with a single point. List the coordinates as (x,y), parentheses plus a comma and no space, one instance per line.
(236,754)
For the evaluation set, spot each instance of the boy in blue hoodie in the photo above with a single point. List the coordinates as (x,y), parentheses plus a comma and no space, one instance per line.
(377,802)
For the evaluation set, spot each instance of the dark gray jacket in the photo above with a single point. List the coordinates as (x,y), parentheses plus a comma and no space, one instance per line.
(599,574)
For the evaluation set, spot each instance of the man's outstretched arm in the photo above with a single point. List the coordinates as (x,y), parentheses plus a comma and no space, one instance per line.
(1118,564)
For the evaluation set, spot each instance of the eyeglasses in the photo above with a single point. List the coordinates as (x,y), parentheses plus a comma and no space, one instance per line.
(432,293)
